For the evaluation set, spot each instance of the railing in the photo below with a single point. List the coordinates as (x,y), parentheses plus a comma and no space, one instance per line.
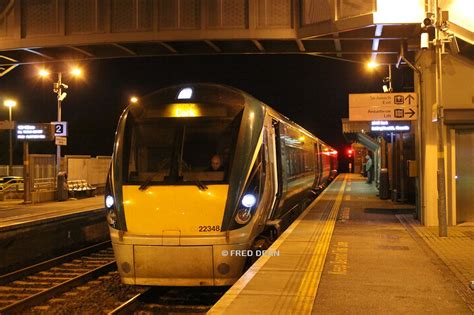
(44,184)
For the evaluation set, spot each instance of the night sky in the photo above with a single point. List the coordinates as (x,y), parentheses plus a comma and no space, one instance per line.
(312,91)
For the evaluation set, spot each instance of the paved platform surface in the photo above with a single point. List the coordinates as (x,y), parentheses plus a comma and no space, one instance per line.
(351,252)
(14,212)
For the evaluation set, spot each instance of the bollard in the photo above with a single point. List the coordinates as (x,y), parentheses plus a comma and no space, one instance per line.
(384,184)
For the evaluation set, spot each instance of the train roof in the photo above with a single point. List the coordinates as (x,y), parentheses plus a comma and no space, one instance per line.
(213,93)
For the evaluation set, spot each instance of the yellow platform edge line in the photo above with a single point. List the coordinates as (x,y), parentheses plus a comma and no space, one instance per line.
(309,285)
(225,301)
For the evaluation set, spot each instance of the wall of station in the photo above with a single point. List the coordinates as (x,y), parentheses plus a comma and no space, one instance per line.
(458,94)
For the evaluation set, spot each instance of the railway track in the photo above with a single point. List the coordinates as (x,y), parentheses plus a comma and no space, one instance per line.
(32,286)
(174,300)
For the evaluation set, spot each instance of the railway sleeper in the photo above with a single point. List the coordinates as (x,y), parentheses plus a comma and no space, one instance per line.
(61,279)
(71,270)
(21,289)
(14,295)
(38,284)
(59,274)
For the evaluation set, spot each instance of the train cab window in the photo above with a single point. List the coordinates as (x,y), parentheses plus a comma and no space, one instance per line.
(205,142)
(178,150)
(151,151)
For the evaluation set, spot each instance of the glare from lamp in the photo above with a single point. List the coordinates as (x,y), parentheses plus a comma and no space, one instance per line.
(43,73)
(9,103)
(372,65)
(76,72)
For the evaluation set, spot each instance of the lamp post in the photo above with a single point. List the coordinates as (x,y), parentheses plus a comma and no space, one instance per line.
(10,104)
(58,88)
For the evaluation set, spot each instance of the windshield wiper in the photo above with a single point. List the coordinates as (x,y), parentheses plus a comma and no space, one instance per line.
(145,185)
(200,185)
(148,181)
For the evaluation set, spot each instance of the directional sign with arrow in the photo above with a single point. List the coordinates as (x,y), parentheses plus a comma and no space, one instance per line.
(409,99)
(383,106)
(411,113)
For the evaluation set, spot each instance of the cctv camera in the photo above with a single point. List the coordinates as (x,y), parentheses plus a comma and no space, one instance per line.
(62,96)
(424,41)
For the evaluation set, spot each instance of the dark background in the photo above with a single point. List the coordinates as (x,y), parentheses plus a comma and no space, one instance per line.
(312,91)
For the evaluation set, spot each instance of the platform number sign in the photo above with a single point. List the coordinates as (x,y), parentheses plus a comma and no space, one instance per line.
(60,128)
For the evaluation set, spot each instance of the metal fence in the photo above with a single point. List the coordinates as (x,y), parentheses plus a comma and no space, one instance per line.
(84,167)
(17,170)
(78,167)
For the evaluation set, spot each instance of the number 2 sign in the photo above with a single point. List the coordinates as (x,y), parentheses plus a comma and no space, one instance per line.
(60,128)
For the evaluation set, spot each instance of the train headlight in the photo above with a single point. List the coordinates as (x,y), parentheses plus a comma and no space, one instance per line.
(249,201)
(243,216)
(109,201)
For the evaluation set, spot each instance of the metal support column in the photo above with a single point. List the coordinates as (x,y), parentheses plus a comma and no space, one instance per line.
(26,174)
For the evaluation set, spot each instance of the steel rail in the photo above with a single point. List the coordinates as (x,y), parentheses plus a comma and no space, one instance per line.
(129,306)
(18,274)
(57,289)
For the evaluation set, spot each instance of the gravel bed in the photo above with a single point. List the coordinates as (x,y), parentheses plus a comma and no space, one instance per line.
(94,297)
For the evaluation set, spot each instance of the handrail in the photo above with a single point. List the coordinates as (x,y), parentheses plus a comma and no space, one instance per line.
(44,183)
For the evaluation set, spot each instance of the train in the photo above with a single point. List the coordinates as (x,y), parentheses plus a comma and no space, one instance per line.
(200,174)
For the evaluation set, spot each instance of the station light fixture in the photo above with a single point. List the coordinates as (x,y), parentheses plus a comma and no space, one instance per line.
(43,73)
(76,71)
(133,99)
(9,103)
(58,88)
(372,65)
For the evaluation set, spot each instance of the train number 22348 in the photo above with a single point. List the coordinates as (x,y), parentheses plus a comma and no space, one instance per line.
(209,228)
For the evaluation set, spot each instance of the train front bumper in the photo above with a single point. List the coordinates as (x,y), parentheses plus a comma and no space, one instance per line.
(196,265)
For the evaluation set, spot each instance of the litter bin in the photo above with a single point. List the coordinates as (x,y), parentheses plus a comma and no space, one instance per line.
(61,186)
(384,184)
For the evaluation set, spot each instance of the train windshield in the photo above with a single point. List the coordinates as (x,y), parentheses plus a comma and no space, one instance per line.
(179,150)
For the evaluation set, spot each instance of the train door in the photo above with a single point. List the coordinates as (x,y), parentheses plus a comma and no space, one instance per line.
(317,165)
(275,163)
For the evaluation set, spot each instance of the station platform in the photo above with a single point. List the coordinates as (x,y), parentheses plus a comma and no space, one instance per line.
(32,233)
(351,252)
(13,213)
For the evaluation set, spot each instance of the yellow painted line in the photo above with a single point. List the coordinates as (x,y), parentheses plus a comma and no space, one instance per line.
(309,285)
(235,290)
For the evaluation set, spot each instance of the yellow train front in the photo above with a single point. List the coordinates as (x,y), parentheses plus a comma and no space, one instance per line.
(202,174)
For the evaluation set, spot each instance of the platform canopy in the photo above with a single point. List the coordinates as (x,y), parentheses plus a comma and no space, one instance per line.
(33,32)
